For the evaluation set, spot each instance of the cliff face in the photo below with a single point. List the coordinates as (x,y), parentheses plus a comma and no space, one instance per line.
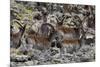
(51,33)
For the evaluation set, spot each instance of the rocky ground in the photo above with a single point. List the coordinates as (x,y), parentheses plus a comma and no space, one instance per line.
(34,14)
(54,56)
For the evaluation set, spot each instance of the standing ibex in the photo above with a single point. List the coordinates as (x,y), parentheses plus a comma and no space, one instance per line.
(41,40)
(70,35)
(52,36)
(16,37)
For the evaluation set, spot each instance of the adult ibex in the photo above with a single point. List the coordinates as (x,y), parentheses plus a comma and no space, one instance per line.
(52,35)
(15,38)
(71,36)
(38,40)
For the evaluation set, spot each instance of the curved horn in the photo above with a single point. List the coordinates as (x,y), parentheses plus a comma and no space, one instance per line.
(18,23)
(61,22)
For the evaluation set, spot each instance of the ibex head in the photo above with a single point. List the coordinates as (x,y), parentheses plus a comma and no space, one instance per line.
(61,22)
(47,29)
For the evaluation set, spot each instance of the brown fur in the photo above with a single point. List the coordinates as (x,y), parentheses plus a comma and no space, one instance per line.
(15,38)
(76,41)
(66,30)
(44,41)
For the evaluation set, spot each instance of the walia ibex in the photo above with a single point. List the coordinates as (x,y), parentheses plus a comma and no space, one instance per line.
(71,35)
(47,37)
(41,40)
(15,38)
(53,36)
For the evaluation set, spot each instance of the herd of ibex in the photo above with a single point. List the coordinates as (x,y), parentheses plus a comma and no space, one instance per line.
(50,36)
